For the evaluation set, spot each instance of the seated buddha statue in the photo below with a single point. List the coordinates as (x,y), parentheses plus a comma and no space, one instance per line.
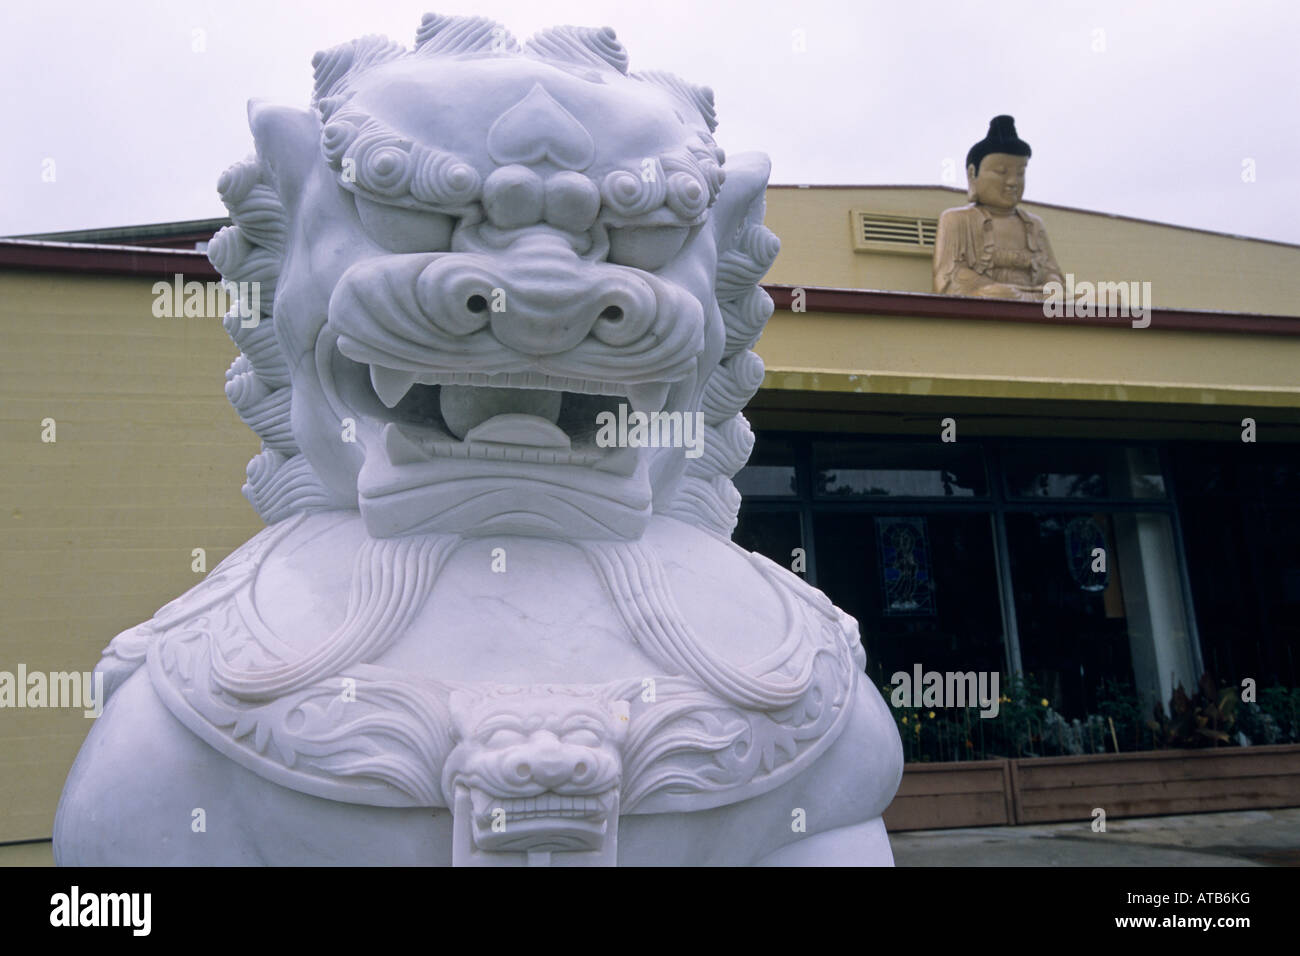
(991,247)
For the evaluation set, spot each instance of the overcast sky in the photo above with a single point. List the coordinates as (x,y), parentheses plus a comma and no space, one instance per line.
(1159,110)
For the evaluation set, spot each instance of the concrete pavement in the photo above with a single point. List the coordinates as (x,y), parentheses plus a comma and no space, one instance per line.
(1239,838)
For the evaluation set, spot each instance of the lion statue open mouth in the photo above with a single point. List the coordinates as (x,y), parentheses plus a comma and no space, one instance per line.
(508,301)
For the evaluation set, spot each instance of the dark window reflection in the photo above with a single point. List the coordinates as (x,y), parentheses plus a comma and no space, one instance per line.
(1240,508)
(931,470)
(770,470)
(1057,471)
(1072,623)
(956,624)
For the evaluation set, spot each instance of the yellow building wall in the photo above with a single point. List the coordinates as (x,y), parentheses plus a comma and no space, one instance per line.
(909,355)
(1186,269)
(100,525)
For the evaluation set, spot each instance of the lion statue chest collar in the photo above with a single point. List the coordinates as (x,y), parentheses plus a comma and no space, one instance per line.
(358,710)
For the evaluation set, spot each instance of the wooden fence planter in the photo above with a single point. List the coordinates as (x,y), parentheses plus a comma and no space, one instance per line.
(933,796)
(1055,789)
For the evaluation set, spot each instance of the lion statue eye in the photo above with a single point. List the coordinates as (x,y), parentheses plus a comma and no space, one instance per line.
(405,230)
(504,737)
(646,247)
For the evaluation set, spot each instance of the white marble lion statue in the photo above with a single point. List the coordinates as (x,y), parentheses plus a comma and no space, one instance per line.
(508,295)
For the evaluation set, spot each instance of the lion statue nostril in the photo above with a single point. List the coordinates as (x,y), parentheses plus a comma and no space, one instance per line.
(580,768)
(612,313)
(476,303)
(523,770)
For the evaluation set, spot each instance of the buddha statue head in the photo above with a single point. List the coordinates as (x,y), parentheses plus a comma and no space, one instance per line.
(995,166)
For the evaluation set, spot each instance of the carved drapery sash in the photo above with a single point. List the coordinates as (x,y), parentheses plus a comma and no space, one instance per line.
(334,725)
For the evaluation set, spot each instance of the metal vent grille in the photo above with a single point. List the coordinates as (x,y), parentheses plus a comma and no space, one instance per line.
(908,235)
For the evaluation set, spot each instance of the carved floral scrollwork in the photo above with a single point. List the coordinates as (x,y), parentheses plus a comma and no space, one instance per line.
(713,734)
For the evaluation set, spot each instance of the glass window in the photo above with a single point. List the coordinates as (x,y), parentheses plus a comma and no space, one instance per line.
(909,469)
(1098,598)
(1241,530)
(1270,471)
(923,588)
(1082,472)
(1096,591)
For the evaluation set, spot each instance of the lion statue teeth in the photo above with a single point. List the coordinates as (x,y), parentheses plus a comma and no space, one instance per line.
(507,299)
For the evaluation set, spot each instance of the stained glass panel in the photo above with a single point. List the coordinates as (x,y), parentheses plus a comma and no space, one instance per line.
(905,566)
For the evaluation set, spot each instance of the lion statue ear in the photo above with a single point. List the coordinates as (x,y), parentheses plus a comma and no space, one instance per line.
(288,141)
(746,250)
(742,197)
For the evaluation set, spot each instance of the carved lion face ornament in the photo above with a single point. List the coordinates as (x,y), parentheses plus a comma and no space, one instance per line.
(536,772)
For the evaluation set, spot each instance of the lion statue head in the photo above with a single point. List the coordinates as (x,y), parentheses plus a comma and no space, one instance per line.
(475,256)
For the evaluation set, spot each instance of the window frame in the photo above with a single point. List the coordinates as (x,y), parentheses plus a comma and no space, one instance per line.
(996,503)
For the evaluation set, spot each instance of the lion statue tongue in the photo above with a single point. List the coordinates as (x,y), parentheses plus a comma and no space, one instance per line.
(465,408)
(474,632)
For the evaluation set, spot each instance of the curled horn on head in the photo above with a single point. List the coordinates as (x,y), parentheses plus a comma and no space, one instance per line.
(584,46)
(699,97)
(335,66)
(443,35)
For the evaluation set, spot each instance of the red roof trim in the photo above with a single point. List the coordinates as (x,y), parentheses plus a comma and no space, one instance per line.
(926,305)
(104,260)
